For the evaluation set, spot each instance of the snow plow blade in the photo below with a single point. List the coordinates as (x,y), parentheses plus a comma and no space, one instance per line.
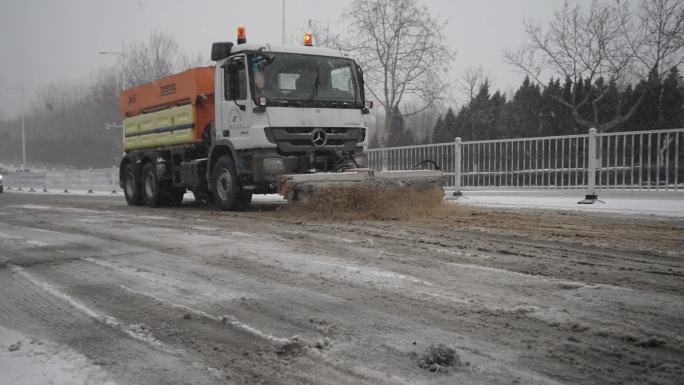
(300,187)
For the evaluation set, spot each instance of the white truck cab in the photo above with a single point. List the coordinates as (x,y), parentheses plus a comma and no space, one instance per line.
(288,109)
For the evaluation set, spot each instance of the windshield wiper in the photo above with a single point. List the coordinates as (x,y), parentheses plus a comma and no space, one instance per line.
(317,81)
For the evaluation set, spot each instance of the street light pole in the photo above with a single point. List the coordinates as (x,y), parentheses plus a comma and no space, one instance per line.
(283,32)
(121,53)
(23,129)
(23,126)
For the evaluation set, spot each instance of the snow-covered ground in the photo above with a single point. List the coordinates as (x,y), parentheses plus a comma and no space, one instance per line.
(30,361)
(642,203)
(195,296)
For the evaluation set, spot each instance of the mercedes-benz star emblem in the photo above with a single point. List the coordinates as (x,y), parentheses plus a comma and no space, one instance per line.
(318,137)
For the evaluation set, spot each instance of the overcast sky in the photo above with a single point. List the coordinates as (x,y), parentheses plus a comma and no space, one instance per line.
(42,41)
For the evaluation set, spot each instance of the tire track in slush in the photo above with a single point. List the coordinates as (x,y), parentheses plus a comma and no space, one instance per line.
(128,352)
(108,320)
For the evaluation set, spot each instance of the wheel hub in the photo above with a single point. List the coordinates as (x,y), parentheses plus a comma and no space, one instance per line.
(130,180)
(149,184)
(224,184)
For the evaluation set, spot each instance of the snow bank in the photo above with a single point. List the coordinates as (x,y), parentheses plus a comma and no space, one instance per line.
(32,361)
(656,203)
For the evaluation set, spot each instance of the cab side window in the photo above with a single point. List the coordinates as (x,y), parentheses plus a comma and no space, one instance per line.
(236,80)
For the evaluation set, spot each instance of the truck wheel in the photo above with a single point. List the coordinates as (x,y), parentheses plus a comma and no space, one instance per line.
(132,186)
(225,188)
(150,186)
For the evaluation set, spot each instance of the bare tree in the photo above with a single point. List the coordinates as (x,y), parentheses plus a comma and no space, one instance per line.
(155,59)
(403,52)
(323,36)
(471,80)
(58,95)
(604,41)
(654,34)
(191,60)
(105,85)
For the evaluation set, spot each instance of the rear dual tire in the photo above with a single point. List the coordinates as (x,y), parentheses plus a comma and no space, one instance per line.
(150,185)
(147,189)
(131,186)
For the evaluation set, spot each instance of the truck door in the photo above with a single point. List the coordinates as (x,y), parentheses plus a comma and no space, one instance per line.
(236,105)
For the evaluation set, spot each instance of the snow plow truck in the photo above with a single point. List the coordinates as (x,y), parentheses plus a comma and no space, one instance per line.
(264,119)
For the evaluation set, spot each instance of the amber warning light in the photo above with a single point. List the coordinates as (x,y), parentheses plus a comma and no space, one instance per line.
(308,40)
(242,35)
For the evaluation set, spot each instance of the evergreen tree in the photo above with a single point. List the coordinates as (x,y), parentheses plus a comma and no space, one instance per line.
(647,114)
(521,113)
(478,114)
(450,126)
(555,118)
(672,101)
(494,125)
(438,130)
(534,113)
(399,135)
(445,128)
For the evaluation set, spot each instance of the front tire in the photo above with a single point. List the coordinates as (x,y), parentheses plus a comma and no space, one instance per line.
(225,184)
(150,186)
(132,186)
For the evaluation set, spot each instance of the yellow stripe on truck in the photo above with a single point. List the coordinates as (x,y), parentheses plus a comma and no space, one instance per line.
(158,140)
(175,124)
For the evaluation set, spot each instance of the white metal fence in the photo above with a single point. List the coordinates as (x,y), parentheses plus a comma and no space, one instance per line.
(86,180)
(637,161)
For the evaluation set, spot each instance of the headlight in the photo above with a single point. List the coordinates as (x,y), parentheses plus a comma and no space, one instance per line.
(0,177)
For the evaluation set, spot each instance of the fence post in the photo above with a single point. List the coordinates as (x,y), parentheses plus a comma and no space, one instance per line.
(384,159)
(66,180)
(592,165)
(114,178)
(90,180)
(30,174)
(45,173)
(457,167)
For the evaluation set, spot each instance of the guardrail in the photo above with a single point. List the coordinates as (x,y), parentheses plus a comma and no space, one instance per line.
(635,161)
(87,180)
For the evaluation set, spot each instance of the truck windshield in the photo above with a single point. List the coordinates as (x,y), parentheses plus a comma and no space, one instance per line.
(285,78)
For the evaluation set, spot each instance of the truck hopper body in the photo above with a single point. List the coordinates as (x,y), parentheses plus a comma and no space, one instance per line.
(174,110)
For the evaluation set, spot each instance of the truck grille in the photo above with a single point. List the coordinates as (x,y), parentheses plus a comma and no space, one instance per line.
(299,139)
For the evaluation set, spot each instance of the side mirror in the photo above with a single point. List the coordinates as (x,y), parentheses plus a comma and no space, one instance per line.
(362,91)
(221,50)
